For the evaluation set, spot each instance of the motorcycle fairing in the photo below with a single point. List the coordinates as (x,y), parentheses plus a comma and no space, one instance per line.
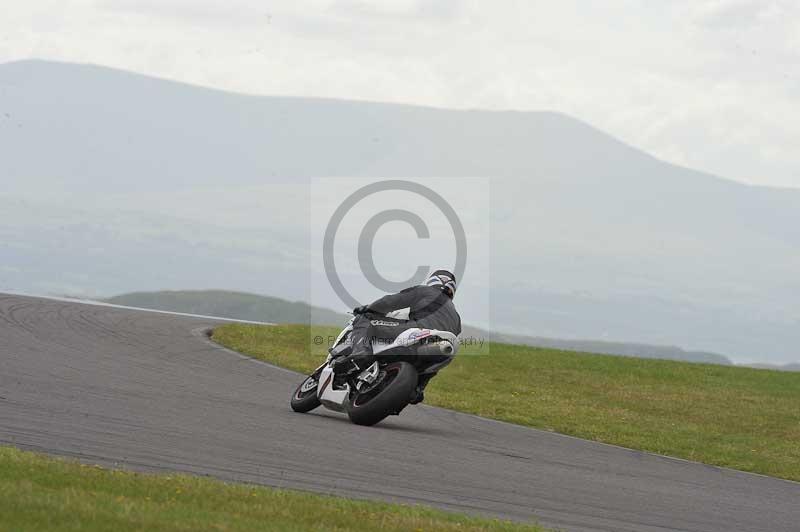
(412,336)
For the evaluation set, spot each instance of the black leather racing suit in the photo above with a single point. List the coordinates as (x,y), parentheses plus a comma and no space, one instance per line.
(428,308)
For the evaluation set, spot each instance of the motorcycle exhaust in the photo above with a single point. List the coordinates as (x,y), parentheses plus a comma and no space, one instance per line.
(442,347)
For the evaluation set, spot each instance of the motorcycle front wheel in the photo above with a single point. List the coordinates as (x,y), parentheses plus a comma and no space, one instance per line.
(393,391)
(304,398)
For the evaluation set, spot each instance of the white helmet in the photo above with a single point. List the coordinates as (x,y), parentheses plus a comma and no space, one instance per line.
(445,279)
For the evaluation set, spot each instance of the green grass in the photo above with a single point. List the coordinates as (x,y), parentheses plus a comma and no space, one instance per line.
(747,419)
(41,493)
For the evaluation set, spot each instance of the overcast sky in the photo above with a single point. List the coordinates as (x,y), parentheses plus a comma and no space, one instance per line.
(709,84)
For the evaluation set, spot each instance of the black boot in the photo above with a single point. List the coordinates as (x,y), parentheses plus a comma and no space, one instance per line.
(419,391)
(419,396)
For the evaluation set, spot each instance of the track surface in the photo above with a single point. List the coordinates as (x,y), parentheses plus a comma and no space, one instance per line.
(148,391)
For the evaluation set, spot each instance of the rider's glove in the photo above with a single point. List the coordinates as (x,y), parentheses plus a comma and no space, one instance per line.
(361,310)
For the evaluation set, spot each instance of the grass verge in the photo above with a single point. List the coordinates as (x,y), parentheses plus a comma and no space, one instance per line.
(747,419)
(42,493)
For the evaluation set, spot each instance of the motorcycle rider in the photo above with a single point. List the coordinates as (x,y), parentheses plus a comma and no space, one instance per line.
(430,306)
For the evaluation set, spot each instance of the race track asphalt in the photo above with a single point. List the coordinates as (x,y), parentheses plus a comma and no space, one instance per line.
(148,391)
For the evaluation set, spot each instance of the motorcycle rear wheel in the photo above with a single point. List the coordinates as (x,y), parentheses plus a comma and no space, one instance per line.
(389,397)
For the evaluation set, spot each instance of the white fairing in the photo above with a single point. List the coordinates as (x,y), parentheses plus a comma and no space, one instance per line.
(336,398)
(333,399)
(413,336)
(328,396)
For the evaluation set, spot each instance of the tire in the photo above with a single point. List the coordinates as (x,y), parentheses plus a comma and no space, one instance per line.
(305,400)
(370,408)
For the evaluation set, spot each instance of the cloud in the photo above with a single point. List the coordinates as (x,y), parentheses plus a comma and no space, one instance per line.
(436,10)
(733,14)
(231,14)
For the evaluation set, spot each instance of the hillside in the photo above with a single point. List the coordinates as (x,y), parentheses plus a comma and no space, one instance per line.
(253,307)
(628,349)
(779,367)
(119,182)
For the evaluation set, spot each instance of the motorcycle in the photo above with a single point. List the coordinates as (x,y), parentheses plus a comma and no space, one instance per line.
(384,388)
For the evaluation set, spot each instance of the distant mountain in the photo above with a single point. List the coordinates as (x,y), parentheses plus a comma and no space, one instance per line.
(110,130)
(236,305)
(779,367)
(252,307)
(116,182)
(629,349)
